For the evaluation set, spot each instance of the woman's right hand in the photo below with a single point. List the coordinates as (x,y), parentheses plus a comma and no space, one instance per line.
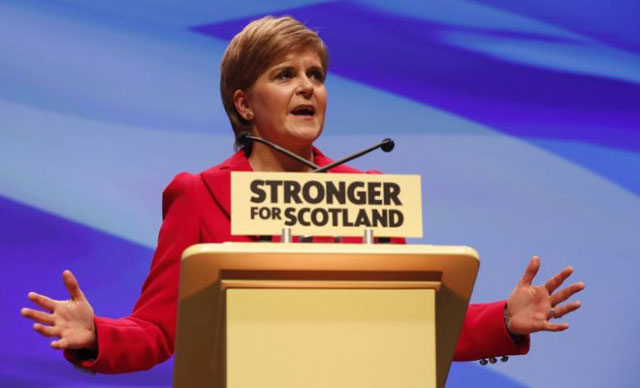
(70,321)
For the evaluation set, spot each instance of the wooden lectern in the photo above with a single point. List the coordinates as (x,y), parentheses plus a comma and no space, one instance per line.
(320,315)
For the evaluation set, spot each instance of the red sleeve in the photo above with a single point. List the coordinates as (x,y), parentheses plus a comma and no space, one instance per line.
(146,337)
(484,334)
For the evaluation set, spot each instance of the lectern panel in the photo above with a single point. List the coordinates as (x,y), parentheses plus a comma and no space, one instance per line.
(330,338)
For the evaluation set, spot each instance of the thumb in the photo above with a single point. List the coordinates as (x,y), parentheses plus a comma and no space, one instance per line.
(72,285)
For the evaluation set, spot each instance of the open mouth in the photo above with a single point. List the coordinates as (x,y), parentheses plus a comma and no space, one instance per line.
(304,111)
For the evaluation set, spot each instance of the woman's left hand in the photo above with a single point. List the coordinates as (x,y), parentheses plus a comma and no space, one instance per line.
(530,308)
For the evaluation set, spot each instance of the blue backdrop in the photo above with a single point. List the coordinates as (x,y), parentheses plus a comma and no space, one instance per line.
(522,118)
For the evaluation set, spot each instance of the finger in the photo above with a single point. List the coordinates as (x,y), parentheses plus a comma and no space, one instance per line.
(37,315)
(72,285)
(531,271)
(548,326)
(61,344)
(43,301)
(566,293)
(558,279)
(563,310)
(47,331)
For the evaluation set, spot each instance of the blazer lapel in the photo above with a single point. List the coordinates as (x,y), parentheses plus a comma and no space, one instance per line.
(218,179)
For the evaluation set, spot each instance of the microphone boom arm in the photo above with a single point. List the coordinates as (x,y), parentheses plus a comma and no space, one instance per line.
(244,136)
(386,145)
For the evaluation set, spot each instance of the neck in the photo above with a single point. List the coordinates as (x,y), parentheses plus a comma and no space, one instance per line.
(265,158)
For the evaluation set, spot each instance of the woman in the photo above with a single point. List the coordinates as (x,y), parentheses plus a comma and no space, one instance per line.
(272,84)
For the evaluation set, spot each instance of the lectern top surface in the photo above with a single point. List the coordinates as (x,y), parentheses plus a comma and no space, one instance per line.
(383,249)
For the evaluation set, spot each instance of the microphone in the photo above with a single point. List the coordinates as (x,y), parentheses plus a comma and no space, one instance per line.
(386,145)
(244,138)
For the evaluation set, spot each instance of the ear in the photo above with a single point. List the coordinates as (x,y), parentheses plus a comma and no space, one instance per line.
(241,102)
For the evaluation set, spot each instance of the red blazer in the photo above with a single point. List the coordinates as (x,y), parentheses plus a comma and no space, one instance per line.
(196,209)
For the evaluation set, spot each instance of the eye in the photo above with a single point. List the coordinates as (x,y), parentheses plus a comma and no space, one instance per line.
(316,74)
(285,74)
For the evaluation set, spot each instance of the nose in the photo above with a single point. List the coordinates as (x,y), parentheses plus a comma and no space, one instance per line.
(305,88)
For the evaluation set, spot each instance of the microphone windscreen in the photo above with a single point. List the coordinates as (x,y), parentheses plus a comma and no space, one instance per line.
(243,138)
(387,145)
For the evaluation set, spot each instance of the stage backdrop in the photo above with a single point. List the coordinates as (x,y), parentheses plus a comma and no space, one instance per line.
(522,118)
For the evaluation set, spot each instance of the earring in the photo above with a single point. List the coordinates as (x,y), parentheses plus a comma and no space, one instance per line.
(249,115)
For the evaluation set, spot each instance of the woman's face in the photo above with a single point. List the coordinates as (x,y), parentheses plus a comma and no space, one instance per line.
(289,100)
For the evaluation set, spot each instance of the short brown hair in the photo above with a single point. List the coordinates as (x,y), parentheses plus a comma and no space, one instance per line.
(253,50)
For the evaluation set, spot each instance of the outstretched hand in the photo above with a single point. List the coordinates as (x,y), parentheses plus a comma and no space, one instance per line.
(531,308)
(70,321)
